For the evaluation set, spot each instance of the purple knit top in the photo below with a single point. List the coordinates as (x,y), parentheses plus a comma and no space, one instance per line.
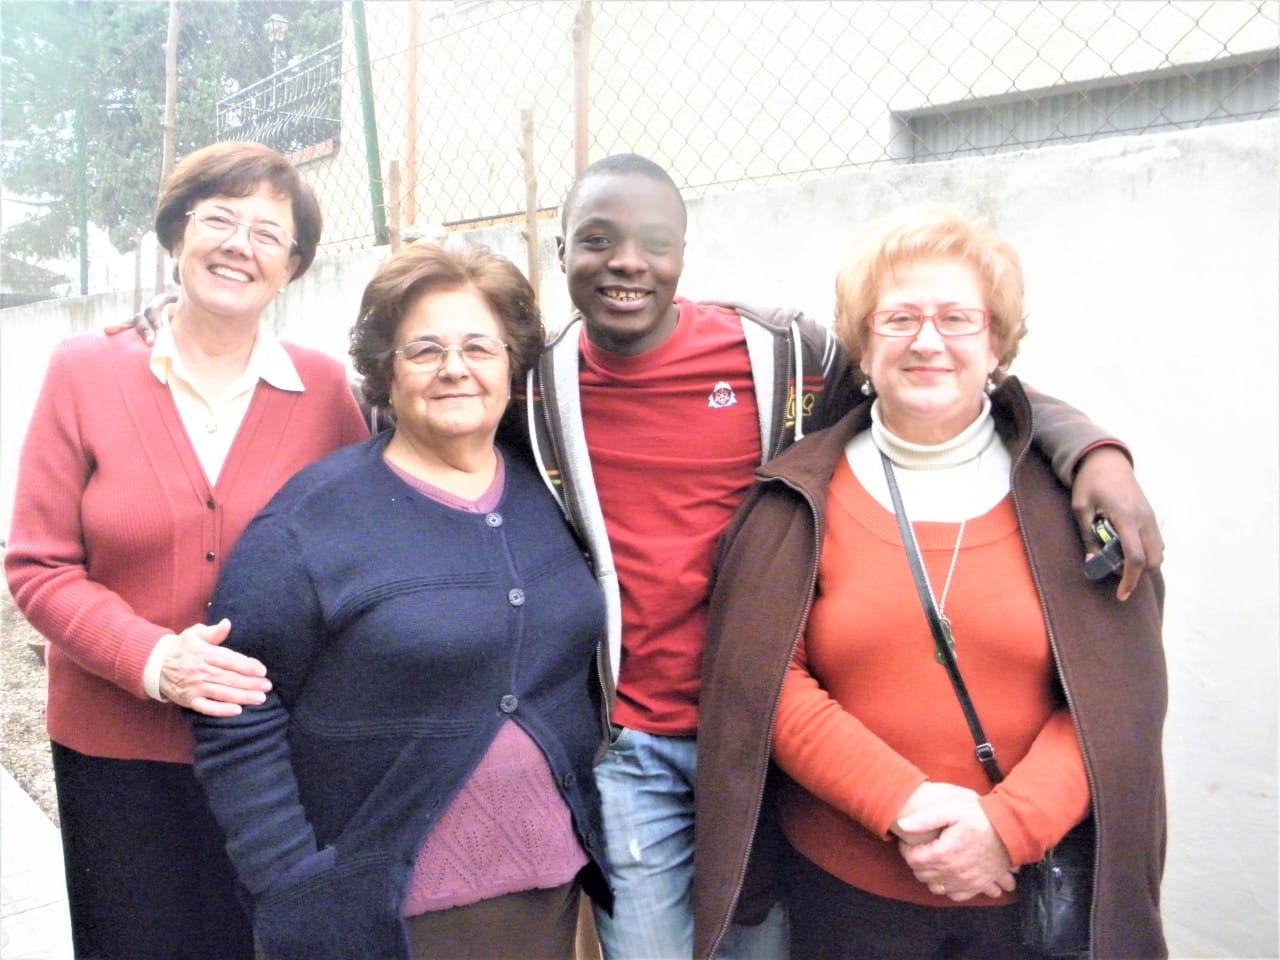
(507,829)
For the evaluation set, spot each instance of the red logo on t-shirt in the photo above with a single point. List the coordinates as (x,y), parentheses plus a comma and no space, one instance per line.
(722,396)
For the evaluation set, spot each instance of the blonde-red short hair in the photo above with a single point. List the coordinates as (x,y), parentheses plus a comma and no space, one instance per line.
(930,233)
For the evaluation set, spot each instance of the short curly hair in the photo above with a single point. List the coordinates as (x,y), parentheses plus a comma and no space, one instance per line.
(923,233)
(422,268)
(237,169)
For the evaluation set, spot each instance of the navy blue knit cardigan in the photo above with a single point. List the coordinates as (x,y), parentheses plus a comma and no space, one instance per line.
(398,635)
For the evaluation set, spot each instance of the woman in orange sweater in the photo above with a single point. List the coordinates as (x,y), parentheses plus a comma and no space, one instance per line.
(140,470)
(895,842)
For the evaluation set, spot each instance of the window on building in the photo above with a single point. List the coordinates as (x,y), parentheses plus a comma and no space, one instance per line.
(1188,97)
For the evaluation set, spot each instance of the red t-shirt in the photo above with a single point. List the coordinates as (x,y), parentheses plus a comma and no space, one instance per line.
(674,438)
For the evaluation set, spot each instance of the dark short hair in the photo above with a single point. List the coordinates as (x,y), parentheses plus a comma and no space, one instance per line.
(619,164)
(236,169)
(422,268)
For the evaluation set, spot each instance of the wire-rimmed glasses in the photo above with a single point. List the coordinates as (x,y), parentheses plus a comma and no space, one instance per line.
(430,355)
(267,238)
(951,322)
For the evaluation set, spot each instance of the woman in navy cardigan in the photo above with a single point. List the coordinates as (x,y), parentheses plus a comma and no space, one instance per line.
(418,782)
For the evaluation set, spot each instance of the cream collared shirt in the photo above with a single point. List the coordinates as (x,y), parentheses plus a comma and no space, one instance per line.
(211,424)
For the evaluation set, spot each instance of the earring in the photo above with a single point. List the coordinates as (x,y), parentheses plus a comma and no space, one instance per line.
(991,386)
(867,388)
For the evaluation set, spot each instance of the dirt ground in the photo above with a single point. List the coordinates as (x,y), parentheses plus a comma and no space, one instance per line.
(24,746)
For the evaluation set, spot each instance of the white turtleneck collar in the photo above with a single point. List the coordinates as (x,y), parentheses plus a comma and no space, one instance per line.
(957,479)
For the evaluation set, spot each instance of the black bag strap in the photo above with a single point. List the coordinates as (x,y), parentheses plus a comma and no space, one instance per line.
(984,751)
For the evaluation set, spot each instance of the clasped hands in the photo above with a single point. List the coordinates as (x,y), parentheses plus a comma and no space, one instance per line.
(949,844)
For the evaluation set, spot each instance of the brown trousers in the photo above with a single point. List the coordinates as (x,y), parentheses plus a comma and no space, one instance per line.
(532,924)
(529,925)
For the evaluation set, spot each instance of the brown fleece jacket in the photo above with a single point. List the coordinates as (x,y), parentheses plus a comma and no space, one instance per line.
(1109,659)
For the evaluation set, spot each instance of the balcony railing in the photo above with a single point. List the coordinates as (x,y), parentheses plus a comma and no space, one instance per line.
(291,110)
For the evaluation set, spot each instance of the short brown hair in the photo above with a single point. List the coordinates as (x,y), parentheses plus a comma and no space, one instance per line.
(235,169)
(922,233)
(422,268)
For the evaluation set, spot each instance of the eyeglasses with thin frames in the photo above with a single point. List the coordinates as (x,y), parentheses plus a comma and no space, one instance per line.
(267,238)
(952,322)
(429,355)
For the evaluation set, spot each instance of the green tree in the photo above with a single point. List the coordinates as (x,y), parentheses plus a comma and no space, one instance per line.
(45,58)
(69,66)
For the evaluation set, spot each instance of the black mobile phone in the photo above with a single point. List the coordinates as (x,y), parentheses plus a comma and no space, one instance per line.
(1110,558)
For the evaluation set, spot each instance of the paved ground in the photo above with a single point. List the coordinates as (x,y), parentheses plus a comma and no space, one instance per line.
(33,894)
(33,899)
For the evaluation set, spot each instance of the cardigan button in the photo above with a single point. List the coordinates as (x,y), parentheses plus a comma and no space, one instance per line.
(515,597)
(493,519)
(211,556)
(568,780)
(509,703)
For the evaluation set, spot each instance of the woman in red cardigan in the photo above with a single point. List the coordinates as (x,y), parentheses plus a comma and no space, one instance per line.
(141,467)
(894,840)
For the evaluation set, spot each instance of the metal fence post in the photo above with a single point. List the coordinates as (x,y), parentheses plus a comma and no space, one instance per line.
(372,160)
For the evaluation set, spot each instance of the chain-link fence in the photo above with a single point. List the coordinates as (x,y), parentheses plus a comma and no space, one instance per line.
(437,114)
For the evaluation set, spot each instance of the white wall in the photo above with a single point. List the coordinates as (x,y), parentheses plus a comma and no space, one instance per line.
(1153,270)
(1152,278)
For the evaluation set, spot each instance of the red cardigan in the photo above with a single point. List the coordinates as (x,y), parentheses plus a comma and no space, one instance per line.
(118,538)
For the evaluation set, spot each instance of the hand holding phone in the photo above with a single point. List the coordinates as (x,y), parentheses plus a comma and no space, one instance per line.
(1110,558)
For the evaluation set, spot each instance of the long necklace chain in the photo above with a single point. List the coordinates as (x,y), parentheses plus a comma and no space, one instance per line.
(955,555)
(941,604)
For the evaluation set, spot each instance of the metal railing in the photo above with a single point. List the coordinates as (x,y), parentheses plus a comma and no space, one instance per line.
(292,110)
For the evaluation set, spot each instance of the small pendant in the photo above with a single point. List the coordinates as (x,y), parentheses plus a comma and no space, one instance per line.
(951,641)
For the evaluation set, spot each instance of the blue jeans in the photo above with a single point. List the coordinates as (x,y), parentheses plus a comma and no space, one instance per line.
(646,788)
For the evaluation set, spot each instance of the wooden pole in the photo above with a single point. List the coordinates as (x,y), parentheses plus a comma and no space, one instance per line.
(581,86)
(530,198)
(137,272)
(411,118)
(393,205)
(82,185)
(170,126)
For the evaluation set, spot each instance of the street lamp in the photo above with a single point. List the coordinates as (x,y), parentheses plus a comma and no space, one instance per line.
(276,27)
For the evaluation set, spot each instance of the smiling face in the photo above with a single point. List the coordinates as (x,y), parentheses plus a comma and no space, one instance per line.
(930,387)
(623,252)
(459,399)
(228,277)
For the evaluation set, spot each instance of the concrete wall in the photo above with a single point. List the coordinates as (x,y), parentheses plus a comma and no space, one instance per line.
(1153,277)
